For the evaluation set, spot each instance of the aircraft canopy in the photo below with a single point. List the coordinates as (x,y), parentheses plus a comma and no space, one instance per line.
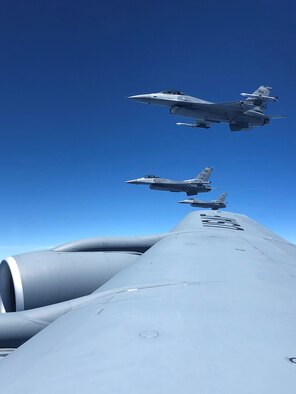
(151,176)
(172,91)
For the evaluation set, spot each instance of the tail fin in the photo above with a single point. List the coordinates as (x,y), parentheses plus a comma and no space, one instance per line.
(262,91)
(205,174)
(222,197)
(260,98)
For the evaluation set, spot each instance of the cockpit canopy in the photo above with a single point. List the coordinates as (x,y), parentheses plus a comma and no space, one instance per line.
(172,91)
(151,176)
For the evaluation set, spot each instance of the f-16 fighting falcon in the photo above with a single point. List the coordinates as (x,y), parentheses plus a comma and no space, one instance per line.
(214,204)
(200,184)
(209,307)
(240,115)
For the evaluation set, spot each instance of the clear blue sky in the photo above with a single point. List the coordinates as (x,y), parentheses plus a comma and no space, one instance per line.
(70,138)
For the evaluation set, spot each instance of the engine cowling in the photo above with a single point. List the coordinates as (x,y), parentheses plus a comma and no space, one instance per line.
(37,279)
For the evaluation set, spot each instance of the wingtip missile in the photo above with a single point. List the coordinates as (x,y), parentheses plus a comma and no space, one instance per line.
(185,124)
(257,96)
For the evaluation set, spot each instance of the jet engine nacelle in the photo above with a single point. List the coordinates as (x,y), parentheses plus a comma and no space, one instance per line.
(37,279)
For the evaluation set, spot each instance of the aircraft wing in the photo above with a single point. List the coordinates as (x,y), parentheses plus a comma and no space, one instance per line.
(227,106)
(210,308)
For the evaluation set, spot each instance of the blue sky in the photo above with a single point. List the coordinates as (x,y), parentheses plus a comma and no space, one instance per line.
(70,138)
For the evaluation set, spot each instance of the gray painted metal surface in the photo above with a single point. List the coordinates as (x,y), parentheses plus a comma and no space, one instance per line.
(210,308)
(200,184)
(213,204)
(71,270)
(47,277)
(111,244)
(240,115)
(16,328)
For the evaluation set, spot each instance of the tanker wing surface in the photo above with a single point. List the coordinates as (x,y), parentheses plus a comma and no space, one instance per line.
(209,308)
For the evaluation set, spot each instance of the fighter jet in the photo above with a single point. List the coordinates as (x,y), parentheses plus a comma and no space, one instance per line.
(200,184)
(214,204)
(240,115)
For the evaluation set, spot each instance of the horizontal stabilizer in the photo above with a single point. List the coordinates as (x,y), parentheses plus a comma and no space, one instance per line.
(277,116)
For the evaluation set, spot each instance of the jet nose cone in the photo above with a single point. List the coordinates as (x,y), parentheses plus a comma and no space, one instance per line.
(132,181)
(183,202)
(142,98)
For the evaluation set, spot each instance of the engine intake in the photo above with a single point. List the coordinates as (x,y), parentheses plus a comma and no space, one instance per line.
(37,279)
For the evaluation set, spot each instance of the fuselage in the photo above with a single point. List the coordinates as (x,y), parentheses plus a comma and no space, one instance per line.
(212,205)
(191,186)
(206,111)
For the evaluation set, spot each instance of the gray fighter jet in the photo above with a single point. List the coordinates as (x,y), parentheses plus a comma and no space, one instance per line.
(206,308)
(240,115)
(200,184)
(214,204)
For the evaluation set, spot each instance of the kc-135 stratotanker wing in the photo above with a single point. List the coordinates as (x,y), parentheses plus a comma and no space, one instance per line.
(209,307)
(199,184)
(240,115)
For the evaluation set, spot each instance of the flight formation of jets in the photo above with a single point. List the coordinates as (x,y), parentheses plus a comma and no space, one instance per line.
(208,307)
(240,115)
(199,184)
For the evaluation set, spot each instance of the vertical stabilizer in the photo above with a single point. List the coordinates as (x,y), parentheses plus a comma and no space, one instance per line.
(262,91)
(222,197)
(260,104)
(205,174)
